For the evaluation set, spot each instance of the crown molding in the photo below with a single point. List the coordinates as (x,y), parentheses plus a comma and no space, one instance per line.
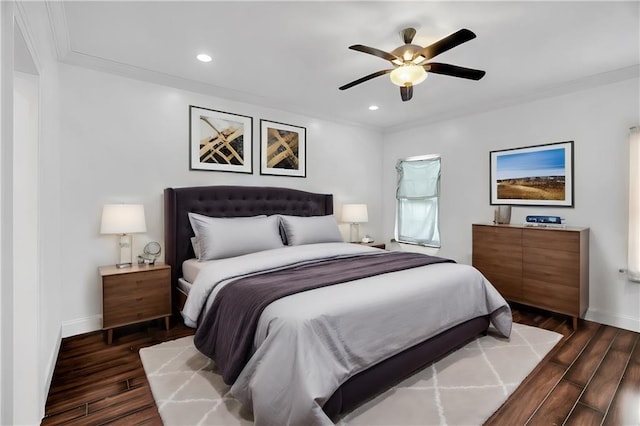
(573,86)
(27,34)
(59,28)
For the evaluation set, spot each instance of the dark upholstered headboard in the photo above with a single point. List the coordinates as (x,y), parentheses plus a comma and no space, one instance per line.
(228,201)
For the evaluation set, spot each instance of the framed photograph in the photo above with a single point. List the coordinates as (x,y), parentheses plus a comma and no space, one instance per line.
(220,141)
(540,175)
(282,149)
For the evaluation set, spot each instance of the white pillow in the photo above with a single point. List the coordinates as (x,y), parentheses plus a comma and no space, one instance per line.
(219,238)
(196,247)
(310,230)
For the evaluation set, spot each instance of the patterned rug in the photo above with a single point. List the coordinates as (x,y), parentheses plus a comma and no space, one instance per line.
(465,388)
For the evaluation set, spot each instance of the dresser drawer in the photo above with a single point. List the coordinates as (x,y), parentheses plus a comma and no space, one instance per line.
(552,240)
(557,298)
(554,267)
(497,253)
(497,236)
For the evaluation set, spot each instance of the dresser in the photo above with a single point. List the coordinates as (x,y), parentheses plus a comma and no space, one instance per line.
(537,266)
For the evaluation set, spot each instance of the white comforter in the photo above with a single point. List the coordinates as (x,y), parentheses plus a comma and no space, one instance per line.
(309,343)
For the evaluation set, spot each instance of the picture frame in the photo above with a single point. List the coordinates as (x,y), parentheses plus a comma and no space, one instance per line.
(283,149)
(220,141)
(538,175)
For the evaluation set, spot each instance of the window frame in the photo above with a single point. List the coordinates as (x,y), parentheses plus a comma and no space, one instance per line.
(395,233)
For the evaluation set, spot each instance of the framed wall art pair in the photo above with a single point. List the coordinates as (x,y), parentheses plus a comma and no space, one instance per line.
(222,141)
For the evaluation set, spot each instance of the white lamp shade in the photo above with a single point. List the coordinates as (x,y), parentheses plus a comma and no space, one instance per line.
(355,213)
(122,219)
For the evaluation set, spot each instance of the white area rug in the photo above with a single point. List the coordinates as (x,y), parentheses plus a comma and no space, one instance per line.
(465,388)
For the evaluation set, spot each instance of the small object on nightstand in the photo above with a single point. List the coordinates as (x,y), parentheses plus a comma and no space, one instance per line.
(137,294)
(151,253)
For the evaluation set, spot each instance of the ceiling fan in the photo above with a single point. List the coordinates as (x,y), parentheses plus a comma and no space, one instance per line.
(410,61)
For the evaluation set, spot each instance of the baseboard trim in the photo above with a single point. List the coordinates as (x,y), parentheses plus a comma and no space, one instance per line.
(51,367)
(81,325)
(628,323)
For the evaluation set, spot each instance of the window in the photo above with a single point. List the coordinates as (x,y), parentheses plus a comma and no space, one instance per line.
(417,200)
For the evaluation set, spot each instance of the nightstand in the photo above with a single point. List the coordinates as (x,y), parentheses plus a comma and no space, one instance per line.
(374,244)
(136,294)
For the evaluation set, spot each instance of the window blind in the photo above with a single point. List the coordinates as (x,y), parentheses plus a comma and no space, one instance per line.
(418,198)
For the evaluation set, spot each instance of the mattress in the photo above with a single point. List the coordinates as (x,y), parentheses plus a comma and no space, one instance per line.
(184,285)
(192,267)
(190,270)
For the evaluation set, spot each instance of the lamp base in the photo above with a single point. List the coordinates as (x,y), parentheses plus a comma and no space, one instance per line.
(354,229)
(126,260)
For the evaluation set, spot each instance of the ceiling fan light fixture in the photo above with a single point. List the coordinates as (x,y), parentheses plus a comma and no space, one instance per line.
(412,74)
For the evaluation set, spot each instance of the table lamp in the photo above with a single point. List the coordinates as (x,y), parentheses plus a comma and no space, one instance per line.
(355,214)
(123,219)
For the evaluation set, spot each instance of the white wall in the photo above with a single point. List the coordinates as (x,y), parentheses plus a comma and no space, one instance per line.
(123,140)
(6,212)
(31,331)
(26,294)
(597,120)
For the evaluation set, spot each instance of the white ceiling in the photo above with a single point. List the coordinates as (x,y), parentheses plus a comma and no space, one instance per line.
(294,55)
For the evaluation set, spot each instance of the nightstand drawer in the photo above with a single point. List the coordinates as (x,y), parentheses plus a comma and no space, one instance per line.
(128,308)
(139,282)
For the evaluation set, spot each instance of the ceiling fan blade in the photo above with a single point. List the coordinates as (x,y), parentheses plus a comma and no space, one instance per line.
(408,34)
(449,42)
(406,92)
(454,71)
(365,78)
(375,52)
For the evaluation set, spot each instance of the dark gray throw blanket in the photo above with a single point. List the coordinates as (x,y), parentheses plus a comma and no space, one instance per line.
(227,331)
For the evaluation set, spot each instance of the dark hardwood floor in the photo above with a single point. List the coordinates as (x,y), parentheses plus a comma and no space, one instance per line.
(591,377)
(95,383)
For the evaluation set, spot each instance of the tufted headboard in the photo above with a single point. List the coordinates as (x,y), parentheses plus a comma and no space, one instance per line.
(228,201)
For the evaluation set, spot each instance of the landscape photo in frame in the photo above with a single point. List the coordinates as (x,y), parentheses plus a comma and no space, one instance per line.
(220,141)
(540,175)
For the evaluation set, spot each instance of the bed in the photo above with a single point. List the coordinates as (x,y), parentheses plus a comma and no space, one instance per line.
(241,201)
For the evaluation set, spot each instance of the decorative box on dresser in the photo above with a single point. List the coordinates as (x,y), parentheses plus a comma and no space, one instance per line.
(543,267)
(136,294)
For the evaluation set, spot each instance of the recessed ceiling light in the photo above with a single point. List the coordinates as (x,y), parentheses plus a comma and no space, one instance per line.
(373,107)
(204,57)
